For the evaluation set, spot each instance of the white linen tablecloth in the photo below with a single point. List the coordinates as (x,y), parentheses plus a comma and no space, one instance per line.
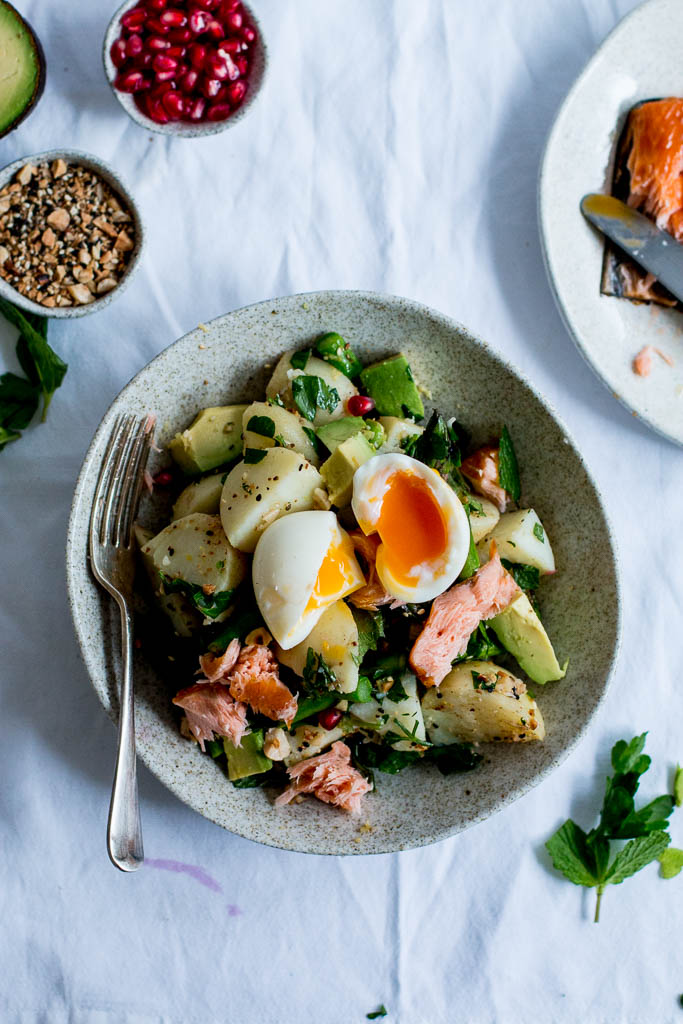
(396,147)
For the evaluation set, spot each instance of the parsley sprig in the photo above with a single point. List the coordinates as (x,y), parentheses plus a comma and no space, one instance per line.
(585,858)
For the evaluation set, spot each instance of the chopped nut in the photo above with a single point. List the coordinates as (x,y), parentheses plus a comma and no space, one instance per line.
(4,254)
(48,237)
(105,226)
(80,293)
(59,219)
(25,174)
(84,257)
(4,206)
(276,745)
(58,168)
(106,285)
(49,302)
(124,243)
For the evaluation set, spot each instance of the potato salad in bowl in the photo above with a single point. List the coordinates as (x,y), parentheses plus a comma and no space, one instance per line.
(350,586)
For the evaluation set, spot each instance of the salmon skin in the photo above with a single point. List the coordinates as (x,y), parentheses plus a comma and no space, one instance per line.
(648,166)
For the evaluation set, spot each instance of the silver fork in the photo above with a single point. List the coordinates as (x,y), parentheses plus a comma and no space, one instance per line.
(111,557)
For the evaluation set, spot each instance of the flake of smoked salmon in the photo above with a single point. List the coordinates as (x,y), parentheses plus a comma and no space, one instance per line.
(255,679)
(211,711)
(655,162)
(372,595)
(330,777)
(218,667)
(481,469)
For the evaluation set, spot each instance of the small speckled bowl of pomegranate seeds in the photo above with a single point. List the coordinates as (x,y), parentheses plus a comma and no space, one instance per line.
(70,234)
(185,67)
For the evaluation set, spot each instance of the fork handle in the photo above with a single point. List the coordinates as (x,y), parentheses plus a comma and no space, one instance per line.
(124,829)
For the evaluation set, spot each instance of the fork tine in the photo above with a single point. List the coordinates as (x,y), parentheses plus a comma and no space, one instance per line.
(119,459)
(103,480)
(131,484)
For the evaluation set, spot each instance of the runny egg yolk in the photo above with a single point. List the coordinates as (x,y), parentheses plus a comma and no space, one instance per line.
(335,578)
(411,525)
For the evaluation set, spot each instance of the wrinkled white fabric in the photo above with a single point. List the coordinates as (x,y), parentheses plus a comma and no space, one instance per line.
(396,148)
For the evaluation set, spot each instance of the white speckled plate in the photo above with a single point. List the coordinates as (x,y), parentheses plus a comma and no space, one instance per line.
(640,60)
(225,363)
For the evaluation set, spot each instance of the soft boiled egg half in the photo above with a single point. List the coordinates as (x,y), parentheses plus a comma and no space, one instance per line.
(303,563)
(422,525)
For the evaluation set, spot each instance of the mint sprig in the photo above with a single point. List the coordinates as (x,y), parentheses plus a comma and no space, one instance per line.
(585,858)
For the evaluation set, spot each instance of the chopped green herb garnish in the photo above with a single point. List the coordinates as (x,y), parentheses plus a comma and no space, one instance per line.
(482,682)
(262,425)
(396,693)
(276,400)
(526,576)
(254,455)
(481,646)
(300,358)
(309,706)
(370,630)
(472,562)
(220,565)
(237,628)
(538,532)
(363,692)
(508,468)
(311,393)
(584,857)
(671,862)
(318,676)
(210,605)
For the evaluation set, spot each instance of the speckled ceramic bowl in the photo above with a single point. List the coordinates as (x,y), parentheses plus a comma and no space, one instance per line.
(112,179)
(184,129)
(224,363)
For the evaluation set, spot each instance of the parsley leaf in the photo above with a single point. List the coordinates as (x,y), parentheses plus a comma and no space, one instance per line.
(318,676)
(40,363)
(671,862)
(254,455)
(370,627)
(299,359)
(527,577)
(311,393)
(508,468)
(538,532)
(481,646)
(210,605)
(584,858)
(262,425)
(397,692)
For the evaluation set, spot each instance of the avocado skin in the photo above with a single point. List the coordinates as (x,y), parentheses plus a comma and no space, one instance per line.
(42,71)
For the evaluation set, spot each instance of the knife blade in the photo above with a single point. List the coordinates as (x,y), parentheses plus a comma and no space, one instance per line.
(638,237)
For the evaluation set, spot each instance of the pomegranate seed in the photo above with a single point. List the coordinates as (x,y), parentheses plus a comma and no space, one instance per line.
(159,90)
(118,53)
(143,60)
(215,29)
(211,5)
(242,64)
(165,76)
(155,26)
(174,104)
(218,112)
(188,81)
(156,43)
(197,54)
(230,46)
(176,51)
(210,87)
(173,18)
(328,719)
(133,46)
(359,405)
(180,35)
(135,19)
(156,111)
(196,109)
(156,5)
(227,8)
(131,81)
(248,34)
(198,21)
(163,478)
(163,63)
(234,21)
(236,92)
(217,67)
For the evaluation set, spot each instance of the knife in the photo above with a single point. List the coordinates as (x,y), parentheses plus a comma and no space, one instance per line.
(656,251)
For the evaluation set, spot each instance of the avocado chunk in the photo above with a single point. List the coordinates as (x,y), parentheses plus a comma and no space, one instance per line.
(213,438)
(247,759)
(521,632)
(23,68)
(337,431)
(338,471)
(391,385)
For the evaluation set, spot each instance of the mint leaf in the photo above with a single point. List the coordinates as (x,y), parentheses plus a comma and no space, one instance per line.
(211,605)
(299,359)
(527,577)
(671,862)
(318,676)
(254,455)
(370,627)
(508,468)
(678,786)
(538,533)
(569,853)
(626,756)
(636,855)
(481,646)
(41,363)
(311,393)
(261,425)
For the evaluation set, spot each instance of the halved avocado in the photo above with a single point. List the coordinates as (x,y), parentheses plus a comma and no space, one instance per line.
(23,68)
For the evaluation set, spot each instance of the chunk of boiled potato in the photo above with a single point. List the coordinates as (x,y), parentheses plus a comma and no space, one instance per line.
(397,430)
(281,384)
(335,637)
(515,539)
(479,702)
(183,616)
(397,717)
(196,549)
(287,426)
(202,496)
(483,522)
(309,740)
(255,495)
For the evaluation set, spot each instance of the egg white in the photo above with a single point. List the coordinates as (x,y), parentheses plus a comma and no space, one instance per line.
(286,564)
(370,484)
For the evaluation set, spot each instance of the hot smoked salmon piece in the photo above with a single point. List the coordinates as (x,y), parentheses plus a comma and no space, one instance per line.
(373,594)
(211,711)
(217,667)
(330,777)
(456,614)
(481,469)
(255,679)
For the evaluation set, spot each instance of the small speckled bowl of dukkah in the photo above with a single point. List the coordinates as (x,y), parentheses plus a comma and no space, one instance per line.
(71,235)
